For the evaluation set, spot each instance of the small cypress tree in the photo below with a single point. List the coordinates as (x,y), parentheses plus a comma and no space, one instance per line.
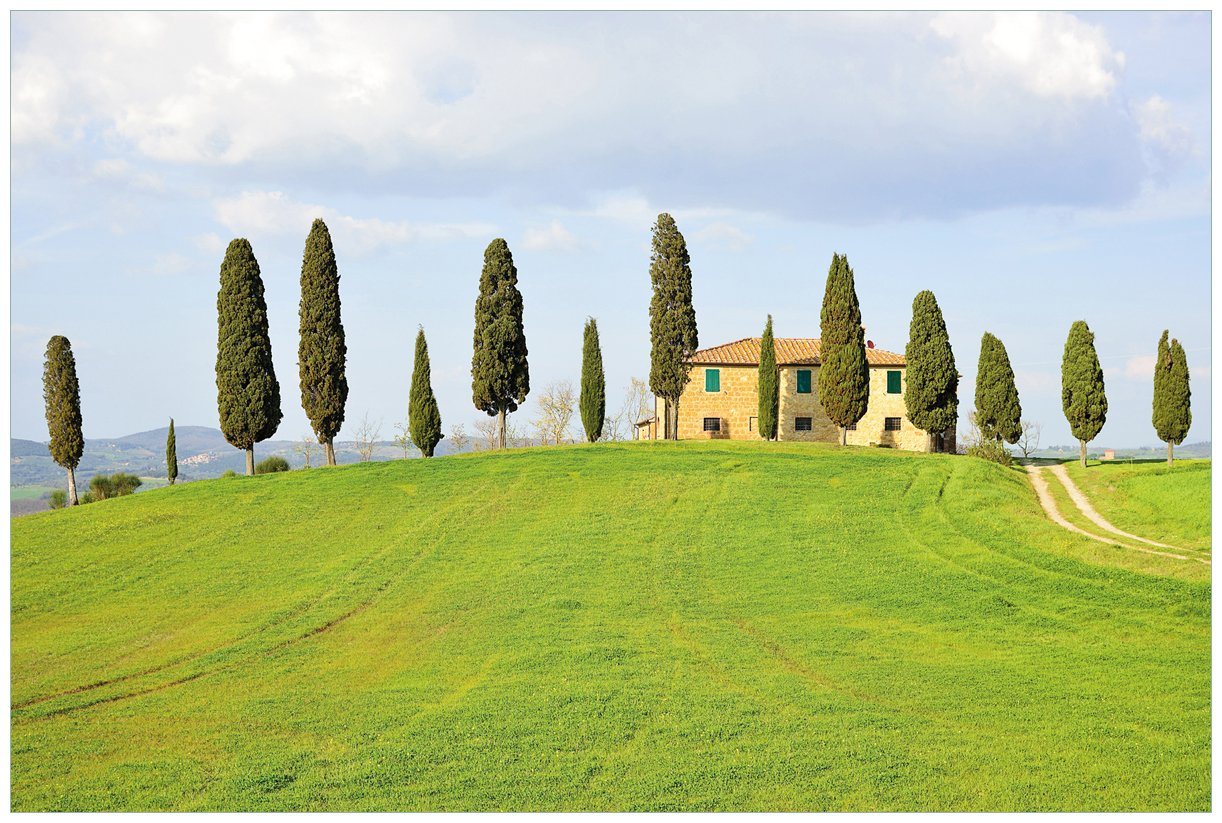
(998,412)
(931,387)
(672,318)
(844,372)
(322,352)
(423,416)
(500,377)
(1172,395)
(769,385)
(593,401)
(1082,394)
(248,395)
(171,455)
(61,392)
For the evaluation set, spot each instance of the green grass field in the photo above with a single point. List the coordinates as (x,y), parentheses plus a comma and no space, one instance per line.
(1148,499)
(689,626)
(29,492)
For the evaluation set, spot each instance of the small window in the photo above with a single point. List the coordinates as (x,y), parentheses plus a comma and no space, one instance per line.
(712,424)
(851,427)
(712,381)
(801,424)
(893,383)
(891,424)
(752,423)
(803,381)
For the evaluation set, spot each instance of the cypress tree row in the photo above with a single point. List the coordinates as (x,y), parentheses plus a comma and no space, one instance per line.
(500,377)
(998,412)
(171,455)
(1082,394)
(672,318)
(769,385)
(931,385)
(322,352)
(593,401)
(844,373)
(61,392)
(1172,395)
(423,416)
(248,395)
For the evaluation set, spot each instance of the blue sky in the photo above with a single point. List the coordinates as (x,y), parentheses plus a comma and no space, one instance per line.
(1031,169)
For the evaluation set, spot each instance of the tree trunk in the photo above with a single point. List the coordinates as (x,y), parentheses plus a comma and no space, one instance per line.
(250,461)
(933,443)
(1170,454)
(329,448)
(172,481)
(500,428)
(674,429)
(72,501)
(844,435)
(1082,449)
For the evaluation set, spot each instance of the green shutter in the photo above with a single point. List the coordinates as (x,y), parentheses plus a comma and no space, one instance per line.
(803,381)
(712,380)
(893,383)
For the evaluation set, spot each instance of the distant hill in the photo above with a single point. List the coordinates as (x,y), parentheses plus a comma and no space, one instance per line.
(1204,449)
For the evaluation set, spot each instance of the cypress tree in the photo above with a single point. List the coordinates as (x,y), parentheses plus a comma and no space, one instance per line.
(998,412)
(593,401)
(423,416)
(672,318)
(931,387)
(61,392)
(1082,394)
(500,377)
(844,373)
(248,396)
(322,352)
(1172,395)
(769,385)
(171,455)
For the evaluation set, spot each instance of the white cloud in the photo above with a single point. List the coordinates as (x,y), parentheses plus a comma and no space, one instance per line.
(1139,367)
(1167,139)
(724,236)
(554,237)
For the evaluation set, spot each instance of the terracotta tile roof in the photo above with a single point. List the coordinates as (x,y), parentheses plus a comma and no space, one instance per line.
(790,351)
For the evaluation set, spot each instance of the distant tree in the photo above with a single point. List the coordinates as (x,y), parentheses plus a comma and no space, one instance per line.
(366,438)
(1029,440)
(931,384)
(593,402)
(403,438)
(556,406)
(322,352)
(672,318)
(1172,395)
(271,465)
(844,373)
(459,438)
(1082,393)
(171,455)
(305,447)
(769,385)
(422,412)
(248,395)
(997,406)
(491,433)
(500,377)
(58,499)
(61,392)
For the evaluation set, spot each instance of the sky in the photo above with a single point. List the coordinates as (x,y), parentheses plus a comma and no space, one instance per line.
(1031,169)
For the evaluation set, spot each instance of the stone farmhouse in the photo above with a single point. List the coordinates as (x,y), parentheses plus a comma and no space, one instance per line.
(721,400)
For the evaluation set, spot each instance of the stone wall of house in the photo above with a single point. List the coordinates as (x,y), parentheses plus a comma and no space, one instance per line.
(794,405)
(736,404)
(871,429)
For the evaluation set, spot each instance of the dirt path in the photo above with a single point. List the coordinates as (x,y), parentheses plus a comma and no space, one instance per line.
(1048,502)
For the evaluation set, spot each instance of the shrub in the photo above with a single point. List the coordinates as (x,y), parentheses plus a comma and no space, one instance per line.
(87,497)
(104,487)
(229,473)
(59,499)
(991,450)
(270,465)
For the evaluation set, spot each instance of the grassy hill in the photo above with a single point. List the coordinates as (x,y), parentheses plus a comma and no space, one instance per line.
(637,626)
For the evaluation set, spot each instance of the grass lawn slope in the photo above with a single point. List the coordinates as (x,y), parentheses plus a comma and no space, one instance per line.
(1148,499)
(686,626)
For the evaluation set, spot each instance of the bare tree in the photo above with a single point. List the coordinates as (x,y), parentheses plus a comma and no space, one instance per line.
(1029,440)
(305,447)
(972,437)
(556,407)
(490,432)
(637,404)
(366,437)
(458,436)
(403,439)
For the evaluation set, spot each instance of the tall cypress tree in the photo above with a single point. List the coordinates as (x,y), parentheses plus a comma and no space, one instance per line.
(322,352)
(1082,394)
(593,401)
(844,373)
(61,392)
(998,412)
(423,416)
(500,377)
(672,318)
(931,385)
(769,385)
(171,455)
(248,395)
(1172,395)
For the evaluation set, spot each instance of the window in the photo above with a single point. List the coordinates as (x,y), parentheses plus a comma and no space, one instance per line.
(803,381)
(712,381)
(893,383)
(851,427)
(752,423)
(712,424)
(891,424)
(801,424)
